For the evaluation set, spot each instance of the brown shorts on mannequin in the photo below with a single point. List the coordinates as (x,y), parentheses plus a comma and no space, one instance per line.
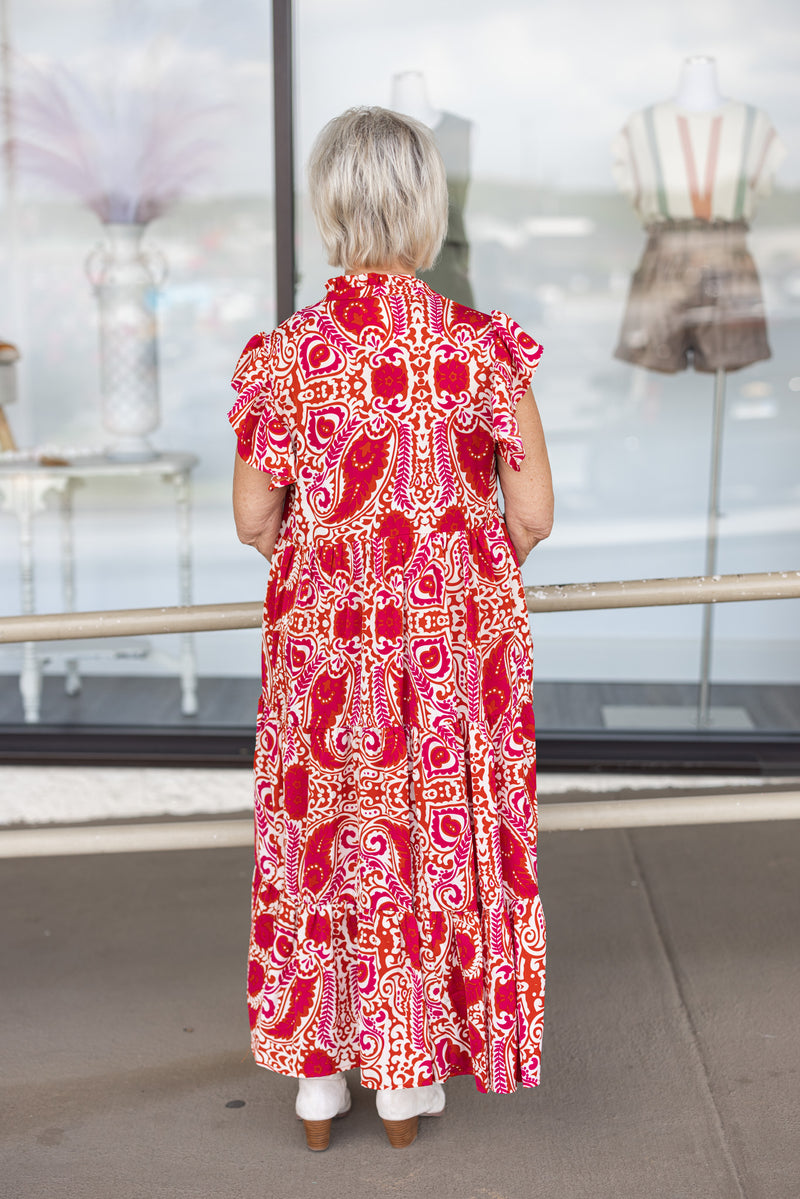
(695,299)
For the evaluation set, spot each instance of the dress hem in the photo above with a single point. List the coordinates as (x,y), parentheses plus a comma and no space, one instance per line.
(421,1082)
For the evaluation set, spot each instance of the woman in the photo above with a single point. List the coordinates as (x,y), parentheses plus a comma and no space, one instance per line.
(396,923)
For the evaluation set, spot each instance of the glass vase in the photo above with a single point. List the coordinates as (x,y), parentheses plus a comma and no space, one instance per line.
(126,280)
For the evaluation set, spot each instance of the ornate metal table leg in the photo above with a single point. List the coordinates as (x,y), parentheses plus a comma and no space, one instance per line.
(188,667)
(30,679)
(72,682)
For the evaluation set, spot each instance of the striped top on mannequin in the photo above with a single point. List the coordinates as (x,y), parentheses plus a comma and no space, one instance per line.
(676,164)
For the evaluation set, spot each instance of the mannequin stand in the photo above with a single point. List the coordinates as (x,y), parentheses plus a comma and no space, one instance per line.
(708,717)
(647,716)
(712,536)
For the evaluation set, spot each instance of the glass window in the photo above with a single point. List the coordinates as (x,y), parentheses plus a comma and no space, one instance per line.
(138,257)
(539,98)
(562,154)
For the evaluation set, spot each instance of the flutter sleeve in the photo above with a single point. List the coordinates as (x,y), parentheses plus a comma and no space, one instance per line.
(767,153)
(515,358)
(264,439)
(623,169)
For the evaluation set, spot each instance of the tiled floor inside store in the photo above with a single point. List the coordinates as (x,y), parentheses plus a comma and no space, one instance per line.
(231,703)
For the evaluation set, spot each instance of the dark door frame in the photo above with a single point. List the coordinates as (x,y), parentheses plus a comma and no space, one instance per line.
(283,119)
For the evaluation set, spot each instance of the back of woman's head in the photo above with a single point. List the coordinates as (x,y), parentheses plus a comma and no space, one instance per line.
(378,191)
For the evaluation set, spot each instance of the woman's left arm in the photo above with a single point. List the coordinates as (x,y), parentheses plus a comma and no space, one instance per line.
(257,511)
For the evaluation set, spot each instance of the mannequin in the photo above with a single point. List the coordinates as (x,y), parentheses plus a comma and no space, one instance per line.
(410,96)
(450,273)
(694,167)
(698,90)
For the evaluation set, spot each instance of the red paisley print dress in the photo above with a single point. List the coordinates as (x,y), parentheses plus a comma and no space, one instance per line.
(396,920)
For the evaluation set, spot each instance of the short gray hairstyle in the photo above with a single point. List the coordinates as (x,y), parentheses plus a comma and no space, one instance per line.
(378,191)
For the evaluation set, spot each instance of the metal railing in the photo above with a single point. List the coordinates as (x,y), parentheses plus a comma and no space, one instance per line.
(224,833)
(570,597)
(558,597)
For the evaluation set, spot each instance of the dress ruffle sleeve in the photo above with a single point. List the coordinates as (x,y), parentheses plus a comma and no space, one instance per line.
(516,357)
(264,439)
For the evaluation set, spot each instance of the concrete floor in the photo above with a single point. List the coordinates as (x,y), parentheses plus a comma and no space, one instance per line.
(671,1057)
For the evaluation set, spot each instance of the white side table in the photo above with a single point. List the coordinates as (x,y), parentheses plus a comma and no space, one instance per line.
(25,489)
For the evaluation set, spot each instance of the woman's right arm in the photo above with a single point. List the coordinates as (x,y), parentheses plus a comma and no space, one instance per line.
(528,492)
(257,511)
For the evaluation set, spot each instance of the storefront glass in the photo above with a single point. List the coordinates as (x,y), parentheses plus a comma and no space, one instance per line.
(557,159)
(172,102)
(542,95)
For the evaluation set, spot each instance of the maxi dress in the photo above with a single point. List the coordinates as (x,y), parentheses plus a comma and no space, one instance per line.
(396,920)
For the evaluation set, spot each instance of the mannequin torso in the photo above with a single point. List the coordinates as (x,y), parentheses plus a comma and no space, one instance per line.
(699,155)
(450,274)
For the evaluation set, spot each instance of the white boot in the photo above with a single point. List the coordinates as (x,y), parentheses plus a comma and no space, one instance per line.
(320,1100)
(400,1110)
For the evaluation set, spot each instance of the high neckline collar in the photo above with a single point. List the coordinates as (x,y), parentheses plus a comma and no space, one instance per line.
(370,283)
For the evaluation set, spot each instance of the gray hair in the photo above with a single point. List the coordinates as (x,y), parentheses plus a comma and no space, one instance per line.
(378,191)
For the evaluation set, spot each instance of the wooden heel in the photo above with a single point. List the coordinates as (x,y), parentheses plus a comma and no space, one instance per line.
(318,1134)
(401,1132)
